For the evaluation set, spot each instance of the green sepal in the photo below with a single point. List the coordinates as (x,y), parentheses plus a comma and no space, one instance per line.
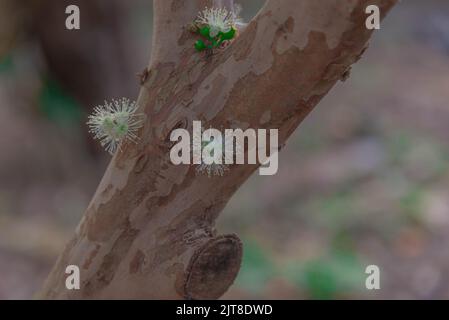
(200,45)
(204,31)
(228,35)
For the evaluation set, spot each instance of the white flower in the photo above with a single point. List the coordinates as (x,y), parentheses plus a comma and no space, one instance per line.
(218,20)
(215,153)
(115,122)
(212,169)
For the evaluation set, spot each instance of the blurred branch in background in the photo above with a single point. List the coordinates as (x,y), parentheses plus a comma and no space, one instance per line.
(98,61)
(12,15)
(50,78)
(91,63)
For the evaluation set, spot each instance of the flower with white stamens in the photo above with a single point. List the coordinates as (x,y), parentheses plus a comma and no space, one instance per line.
(115,122)
(217,19)
(215,153)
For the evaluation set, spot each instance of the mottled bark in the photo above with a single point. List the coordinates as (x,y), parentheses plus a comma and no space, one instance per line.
(149,231)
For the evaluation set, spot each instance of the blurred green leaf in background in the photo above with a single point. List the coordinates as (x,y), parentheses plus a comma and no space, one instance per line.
(257,268)
(6,64)
(328,277)
(58,106)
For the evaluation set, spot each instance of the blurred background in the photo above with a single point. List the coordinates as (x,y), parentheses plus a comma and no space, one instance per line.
(364,180)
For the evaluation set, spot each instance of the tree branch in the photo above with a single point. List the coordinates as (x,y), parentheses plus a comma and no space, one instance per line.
(149,231)
(170,32)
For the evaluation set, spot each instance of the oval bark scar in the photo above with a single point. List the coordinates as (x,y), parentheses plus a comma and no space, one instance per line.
(213,268)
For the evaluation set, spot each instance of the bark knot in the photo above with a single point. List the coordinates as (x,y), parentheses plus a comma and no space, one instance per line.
(213,268)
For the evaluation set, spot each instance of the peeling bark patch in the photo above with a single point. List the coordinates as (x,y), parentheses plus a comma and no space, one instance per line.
(59,268)
(163,78)
(244,45)
(126,153)
(106,192)
(177,270)
(180,124)
(137,262)
(345,76)
(335,71)
(171,240)
(150,204)
(141,163)
(213,97)
(289,25)
(111,261)
(102,223)
(185,36)
(265,118)
(281,40)
(176,5)
(165,200)
(143,76)
(91,257)
(174,269)
(289,87)
(213,268)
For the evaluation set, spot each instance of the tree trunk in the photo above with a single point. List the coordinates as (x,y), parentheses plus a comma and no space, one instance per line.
(149,229)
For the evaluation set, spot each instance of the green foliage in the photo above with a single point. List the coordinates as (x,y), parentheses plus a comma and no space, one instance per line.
(333,211)
(58,106)
(257,268)
(411,204)
(328,277)
(398,146)
(6,64)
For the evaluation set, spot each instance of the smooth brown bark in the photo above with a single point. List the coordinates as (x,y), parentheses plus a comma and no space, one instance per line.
(149,231)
